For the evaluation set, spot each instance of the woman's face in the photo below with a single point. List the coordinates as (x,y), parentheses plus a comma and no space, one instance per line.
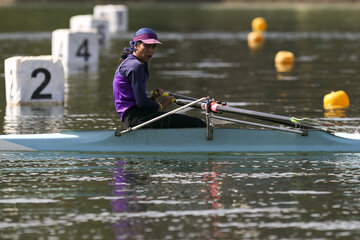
(144,52)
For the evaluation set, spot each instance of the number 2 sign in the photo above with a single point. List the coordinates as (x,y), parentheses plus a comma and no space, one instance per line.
(34,80)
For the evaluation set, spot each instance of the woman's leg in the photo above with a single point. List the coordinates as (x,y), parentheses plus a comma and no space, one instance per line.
(179,121)
(136,116)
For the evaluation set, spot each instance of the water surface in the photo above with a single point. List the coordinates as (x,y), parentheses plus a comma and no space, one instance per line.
(57,195)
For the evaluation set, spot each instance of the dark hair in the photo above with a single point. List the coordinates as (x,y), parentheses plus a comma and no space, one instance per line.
(128,50)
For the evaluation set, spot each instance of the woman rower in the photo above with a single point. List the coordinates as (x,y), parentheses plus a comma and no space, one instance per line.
(129,87)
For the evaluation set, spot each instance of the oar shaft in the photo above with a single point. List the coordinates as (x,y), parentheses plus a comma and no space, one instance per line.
(178,96)
(253,114)
(302,132)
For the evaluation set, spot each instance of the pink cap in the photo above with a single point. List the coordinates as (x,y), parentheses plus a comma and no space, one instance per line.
(148,38)
(146,35)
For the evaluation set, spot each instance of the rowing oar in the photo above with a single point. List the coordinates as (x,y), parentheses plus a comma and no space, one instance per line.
(189,104)
(176,96)
(216,107)
(288,121)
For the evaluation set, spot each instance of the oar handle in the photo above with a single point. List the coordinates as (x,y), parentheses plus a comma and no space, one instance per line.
(175,95)
(165,94)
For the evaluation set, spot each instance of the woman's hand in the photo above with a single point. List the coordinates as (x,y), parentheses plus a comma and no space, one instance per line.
(166,102)
(157,93)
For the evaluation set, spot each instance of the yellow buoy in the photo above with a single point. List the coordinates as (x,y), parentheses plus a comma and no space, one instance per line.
(259,24)
(284,67)
(284,57)
(336,100)
(255,40)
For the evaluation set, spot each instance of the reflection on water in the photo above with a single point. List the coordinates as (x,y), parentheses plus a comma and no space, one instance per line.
(120,202)
(20,119)
(186,196)
(335,113)
(91,71)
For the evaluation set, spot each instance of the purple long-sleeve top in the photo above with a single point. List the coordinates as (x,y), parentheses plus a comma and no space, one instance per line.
(129,86)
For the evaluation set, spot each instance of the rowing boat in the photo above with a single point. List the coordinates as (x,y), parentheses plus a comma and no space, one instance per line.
(183,140)
(296,137)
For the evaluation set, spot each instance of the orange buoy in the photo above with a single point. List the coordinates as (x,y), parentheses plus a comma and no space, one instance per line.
(284,57)
(255,40)
(259,24)
(336,100)
(284,67)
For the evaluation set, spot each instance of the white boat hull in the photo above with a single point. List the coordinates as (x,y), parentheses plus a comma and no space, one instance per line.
(181,140)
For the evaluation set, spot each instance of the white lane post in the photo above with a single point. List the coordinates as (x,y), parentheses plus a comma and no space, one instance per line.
(79,48)
(116,15)
(84,23)
(32,80)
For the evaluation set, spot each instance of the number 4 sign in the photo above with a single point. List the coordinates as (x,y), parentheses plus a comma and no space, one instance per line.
(34,80)
(83,50)
(74,47)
